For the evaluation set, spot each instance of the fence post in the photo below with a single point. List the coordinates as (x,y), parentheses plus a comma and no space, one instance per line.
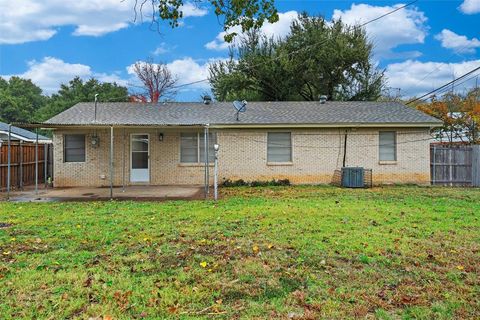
(434,173)
(450,166)
(476,165)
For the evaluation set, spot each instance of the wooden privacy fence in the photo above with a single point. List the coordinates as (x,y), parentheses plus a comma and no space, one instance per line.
(456,165)
(22,164)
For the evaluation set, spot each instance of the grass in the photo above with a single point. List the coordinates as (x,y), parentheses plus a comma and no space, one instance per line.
(274,252)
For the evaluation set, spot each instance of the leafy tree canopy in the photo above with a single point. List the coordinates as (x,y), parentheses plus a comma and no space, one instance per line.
(78,90)
(19,99)
(316,58)
(246,14)
(460,114)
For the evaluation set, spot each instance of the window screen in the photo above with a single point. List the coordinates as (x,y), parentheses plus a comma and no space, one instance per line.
(387,146)
(189,148)
(74,148)
(192,147)
(279,147)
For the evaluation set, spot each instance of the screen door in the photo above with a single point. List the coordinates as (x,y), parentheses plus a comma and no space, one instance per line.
(139,158)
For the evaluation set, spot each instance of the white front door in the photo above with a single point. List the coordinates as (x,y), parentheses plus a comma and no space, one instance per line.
(139,157)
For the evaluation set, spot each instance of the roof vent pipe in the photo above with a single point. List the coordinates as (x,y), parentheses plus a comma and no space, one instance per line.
(95,111)
(207,99)
(323,99)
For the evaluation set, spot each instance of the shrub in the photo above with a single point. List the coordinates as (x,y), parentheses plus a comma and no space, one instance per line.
(255,183)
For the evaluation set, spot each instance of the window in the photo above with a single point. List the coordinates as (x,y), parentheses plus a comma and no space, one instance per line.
(192,147)
(279,147)
(388,145)
(74,148)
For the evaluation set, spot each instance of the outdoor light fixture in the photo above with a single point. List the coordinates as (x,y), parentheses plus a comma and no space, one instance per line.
(216,147)
(160,137)
(95,141)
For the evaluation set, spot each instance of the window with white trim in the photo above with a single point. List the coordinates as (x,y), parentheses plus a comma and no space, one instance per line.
(279,147)
(74,148)
(192,147)
(388,146)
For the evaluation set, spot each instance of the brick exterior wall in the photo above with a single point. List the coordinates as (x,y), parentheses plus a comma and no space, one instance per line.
(316,154)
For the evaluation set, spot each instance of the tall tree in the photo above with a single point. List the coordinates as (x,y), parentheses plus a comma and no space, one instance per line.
(78,90)
(316,58)
(156,78)
(460,114)
(19,100)
(232,14)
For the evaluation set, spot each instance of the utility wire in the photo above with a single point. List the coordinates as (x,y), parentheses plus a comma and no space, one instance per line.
(308,46)
(444,86)
(310,147)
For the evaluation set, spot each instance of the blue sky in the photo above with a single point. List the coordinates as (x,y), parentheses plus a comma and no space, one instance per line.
(51,41)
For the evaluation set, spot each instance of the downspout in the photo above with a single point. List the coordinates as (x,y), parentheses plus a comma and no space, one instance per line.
(345,149)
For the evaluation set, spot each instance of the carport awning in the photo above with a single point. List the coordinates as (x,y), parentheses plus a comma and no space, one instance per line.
(105,126)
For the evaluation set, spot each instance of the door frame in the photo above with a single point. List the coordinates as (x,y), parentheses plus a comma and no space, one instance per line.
(148,158)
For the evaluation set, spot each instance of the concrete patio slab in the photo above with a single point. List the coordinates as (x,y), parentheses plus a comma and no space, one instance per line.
(141,193)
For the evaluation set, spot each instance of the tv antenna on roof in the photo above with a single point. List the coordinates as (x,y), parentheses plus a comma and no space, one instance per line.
(240,106)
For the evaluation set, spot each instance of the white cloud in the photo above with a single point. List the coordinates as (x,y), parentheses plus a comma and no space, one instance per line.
(30,20)
(190,9)
(50,72)
(406,26)
(162,49)
(415,77)
(456,42)
(279,29)
(470,6)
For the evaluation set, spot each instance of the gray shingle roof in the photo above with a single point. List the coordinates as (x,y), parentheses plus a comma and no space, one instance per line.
(22,133)
(258,113)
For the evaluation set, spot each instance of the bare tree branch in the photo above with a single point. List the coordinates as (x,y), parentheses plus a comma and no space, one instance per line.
(157,79)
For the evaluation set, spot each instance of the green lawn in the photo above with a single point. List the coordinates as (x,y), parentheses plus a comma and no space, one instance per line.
(276,252)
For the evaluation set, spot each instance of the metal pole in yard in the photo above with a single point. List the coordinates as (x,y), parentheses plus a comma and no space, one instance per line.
(111,162)
(36,161)
(45,161)
(20,168)
(207,144)
(124,164)
(205,132)
(9,156)
(216,147)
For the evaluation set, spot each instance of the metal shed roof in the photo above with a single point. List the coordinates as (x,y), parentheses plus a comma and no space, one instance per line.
(21,134)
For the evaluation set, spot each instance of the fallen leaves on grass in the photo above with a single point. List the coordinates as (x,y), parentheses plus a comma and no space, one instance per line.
(122,299)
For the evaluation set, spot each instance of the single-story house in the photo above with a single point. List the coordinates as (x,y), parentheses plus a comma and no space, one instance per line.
(305,142)
(18,134)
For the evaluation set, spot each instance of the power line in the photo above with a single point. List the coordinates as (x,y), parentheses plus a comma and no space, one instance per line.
(445,85)
(350,133)
(448,60)
(310,147)
(308,46)
(447,88)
